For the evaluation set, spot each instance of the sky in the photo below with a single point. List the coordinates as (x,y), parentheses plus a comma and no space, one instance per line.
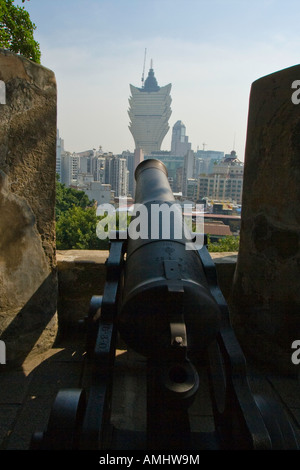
(211,51)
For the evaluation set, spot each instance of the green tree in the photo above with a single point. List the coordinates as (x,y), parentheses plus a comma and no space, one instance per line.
(76,229)
(66,198)
(16,31)
(76,220)
(229,243)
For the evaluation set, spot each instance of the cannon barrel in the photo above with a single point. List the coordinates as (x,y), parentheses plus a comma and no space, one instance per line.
(165,297)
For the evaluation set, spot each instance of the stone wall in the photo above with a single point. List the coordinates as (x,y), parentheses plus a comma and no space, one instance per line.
(82,274)
(265,300)
(28,273)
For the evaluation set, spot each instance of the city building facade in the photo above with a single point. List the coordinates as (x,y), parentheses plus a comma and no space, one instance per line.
(188,170)
(226,181)
(70,163)
(117,175)
(149,113)
(173,164)
(180,144)
(205,160)
(59,153)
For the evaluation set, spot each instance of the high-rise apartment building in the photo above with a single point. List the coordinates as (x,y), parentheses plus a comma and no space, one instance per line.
(130,167)
(205,161)
(188,170)
(225,183)
(149,113)
(70,165)
(98,168)
(180,142)
(117,175)
(59,153)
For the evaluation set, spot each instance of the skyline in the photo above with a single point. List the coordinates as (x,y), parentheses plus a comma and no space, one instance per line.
(210,51)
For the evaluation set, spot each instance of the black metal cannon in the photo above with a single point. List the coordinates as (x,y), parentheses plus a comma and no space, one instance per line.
(164,302)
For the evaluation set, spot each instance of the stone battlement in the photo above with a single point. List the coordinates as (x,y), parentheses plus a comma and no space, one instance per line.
(82,273)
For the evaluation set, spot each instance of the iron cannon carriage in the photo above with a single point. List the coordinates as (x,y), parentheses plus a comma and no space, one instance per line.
(163,301)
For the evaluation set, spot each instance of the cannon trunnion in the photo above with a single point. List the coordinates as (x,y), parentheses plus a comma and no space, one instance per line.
(164,302)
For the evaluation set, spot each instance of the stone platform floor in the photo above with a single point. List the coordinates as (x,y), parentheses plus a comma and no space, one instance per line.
(27,394)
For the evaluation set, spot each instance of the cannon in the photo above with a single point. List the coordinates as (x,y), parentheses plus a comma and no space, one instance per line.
(162,301)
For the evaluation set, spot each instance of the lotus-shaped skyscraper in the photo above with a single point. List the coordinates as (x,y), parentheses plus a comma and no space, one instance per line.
(149,112)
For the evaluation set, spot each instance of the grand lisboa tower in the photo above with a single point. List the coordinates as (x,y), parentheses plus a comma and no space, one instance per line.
(149,113)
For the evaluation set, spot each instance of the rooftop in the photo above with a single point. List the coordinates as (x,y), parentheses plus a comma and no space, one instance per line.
(150,82)
(217,229)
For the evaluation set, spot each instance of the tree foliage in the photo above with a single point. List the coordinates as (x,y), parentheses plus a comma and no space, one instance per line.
(76,229)
(229,243)
(16,31)
(76,221)
(66,198)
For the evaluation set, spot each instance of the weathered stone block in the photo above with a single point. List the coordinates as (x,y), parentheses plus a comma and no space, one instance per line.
(265,299)
(81,274)
(28,273)
(225,266)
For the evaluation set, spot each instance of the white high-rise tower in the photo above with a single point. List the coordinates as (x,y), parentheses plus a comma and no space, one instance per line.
(149,112)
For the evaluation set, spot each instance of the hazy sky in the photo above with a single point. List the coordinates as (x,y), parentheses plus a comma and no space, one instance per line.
(210,50)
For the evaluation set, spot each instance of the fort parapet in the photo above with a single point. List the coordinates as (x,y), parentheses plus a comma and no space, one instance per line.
(265,300)
(28,276)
